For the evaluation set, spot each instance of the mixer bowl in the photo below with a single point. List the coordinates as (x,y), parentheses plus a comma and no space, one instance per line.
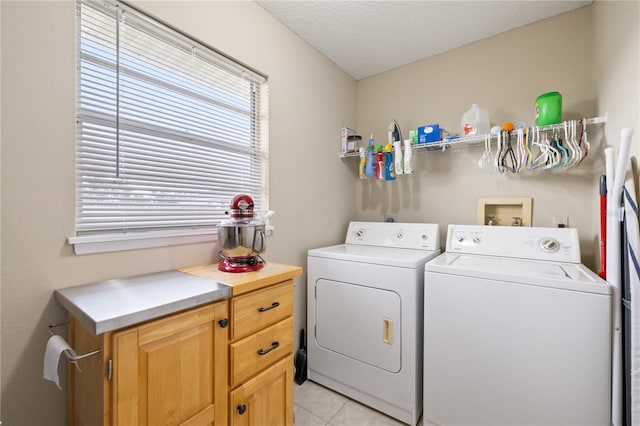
(241,239)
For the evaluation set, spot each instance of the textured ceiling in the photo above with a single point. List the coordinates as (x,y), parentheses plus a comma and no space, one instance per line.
(365,38)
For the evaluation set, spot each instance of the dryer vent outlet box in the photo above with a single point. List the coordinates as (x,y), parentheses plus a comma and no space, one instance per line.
(505,211)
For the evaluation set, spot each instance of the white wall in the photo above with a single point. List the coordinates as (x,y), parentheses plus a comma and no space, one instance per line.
(311,191)
(504,75)
(616,46)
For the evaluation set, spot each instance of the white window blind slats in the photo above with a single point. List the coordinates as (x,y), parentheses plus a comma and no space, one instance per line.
(151,171)
(140,104)
(167,120)
(168,131)
(144,28)
(144,104)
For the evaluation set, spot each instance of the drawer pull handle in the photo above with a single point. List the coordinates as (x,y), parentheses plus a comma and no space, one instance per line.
(274,345)
(224,323)
(241,409)
(273,305)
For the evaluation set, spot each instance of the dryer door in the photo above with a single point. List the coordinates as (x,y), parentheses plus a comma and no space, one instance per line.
(359,322)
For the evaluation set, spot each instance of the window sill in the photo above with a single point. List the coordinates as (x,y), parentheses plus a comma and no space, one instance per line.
(91,244)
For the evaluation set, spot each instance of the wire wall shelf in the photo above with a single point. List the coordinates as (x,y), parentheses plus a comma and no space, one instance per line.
(469,141)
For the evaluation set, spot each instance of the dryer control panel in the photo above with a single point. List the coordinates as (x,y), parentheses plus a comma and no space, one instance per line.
(557,244)
(420,236)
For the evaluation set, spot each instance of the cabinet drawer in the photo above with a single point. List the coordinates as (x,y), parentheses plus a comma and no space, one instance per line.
(252,354)
(259,309)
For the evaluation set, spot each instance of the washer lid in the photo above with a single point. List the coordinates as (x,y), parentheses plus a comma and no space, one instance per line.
(568,276)
(398,257)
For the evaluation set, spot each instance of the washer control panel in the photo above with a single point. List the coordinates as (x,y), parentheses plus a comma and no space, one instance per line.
(558,244)
(423,236)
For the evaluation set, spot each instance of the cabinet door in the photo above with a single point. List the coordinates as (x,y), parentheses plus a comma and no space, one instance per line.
(172,371)
(265,400)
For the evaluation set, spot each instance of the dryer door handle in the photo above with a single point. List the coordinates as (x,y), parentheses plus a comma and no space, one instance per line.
(387,331)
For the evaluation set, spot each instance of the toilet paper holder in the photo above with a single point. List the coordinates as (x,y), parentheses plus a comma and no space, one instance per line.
(71,357)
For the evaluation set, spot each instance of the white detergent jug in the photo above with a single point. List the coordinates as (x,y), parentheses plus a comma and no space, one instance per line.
(475,122)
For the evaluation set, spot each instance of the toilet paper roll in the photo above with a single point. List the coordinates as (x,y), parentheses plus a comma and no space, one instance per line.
(56,345)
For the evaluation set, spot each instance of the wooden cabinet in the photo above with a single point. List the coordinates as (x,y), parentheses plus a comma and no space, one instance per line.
(261,343)
(266,399)
(169,371)
(260,357)
(228,362)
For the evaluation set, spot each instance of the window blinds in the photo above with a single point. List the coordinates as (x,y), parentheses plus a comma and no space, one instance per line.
(168,129)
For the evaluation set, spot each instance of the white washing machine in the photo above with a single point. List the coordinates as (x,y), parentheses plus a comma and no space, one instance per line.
(364,315)
(517,330)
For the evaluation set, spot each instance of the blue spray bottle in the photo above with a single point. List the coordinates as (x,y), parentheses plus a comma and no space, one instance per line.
(370,168)
(389,169)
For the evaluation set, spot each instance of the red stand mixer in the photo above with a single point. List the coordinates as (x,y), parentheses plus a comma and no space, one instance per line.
(242,237)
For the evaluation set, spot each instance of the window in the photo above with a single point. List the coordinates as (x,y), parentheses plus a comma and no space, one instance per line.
(168,130)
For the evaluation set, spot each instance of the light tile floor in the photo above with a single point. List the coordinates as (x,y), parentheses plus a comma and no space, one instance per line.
(315,405)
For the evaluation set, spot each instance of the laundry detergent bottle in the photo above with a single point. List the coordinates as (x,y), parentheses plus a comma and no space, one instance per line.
(363,163)
(397,155)
(549,109)
(389,164)
(408,161)
(370,168)
(475,122)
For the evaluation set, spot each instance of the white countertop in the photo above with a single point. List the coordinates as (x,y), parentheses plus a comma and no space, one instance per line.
(114,304)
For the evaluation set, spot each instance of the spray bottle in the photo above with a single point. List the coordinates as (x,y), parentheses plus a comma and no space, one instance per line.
(397,146)
(363,163)
(380,164)
(408,167)
(389,170)
(370,168)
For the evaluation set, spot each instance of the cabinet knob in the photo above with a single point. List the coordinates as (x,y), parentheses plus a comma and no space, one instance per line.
(241,409)
(224,323)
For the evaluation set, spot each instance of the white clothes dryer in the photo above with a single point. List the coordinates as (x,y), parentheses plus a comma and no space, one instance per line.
(364,315)
(517,330)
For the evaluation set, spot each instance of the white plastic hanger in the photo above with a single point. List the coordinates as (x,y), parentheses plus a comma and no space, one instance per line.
(486,161)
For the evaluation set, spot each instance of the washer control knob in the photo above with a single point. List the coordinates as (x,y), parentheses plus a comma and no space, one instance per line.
(400,235)
(425,237)
(460,239)
(476,240)
(360,233)
(550,244)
